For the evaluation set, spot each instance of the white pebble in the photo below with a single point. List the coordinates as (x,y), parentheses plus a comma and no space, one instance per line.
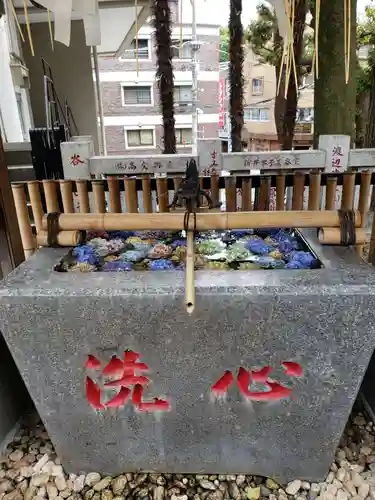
(52,491)
(330,477)
(92,478)
(356,478)
(349,486)
(341,473)
(16,455)
(60,483)
(366,450)
(79,484)
(41,463)
(293,487)
(315,488)
(342,495)
(57,470)
(39,480)
(363,490)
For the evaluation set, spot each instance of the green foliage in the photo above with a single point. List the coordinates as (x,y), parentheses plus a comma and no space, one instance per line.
(224,44)
(260,35)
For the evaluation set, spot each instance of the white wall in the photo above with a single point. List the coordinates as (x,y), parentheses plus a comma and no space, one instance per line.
(9,114)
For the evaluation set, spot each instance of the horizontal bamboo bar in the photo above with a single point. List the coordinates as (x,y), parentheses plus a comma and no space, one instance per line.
(205,221)
(332,236)
(64,238)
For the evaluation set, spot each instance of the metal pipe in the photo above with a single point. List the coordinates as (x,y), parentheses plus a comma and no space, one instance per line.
(101,135)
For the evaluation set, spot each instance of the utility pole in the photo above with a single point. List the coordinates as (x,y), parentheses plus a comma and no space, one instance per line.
(194,72)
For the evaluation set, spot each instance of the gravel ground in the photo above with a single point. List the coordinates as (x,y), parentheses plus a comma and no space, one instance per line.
(29,468)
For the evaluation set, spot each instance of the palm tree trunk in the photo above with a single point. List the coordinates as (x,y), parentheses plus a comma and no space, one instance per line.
(236,58)
(164,72)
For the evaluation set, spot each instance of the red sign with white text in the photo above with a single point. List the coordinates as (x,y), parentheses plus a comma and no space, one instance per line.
(221,102)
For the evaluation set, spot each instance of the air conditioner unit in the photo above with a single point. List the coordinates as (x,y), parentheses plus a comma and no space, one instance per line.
(20,75)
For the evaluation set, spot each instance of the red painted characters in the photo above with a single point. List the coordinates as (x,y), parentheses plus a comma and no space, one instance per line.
(76,160)
(275,391)
(126,375)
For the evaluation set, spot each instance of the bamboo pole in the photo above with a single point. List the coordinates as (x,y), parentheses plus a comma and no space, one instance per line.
(364,202)
(215,192)
(83,197)
(36,203)
(176,182)
(67,196)
(246,194)
(64,238)
(230,194)
(131,198)
(114,194)
(280,192)
(50,192)
(205,221)
(146,192)
(314,191)
(332,236)
(331,187)
(189,273)
(162,192)
(348,189)
(99,197)
(28,240)
(298,190)
(264,194)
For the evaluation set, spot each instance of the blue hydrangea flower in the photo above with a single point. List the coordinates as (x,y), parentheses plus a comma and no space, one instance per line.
(117,266)
(268,262)
(306,259)
(87,254)
(240,233)
(161,265)
(132,256)
(178,243)
(142,247)
(294,264)
(123,235)
(259,247)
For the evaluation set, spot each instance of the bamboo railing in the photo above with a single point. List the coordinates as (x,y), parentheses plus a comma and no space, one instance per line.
(313,192)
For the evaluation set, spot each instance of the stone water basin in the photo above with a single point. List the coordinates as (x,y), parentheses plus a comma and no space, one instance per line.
(159,250)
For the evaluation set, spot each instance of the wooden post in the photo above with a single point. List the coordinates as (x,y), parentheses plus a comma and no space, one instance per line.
(50,192)
(331,193)
(364,202)
(298,190)
(67,196)
(246,194)
(22,211)
(114,194)
(314,191)
(10,237)
(215,192)
(162,192)
(146,191)
(99,197)
(264,193)
(348,189)
(230,194)
(131,198)
(280,192)
(83,196)
(36,203)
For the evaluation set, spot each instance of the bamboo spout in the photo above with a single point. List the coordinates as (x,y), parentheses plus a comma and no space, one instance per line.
(189,273)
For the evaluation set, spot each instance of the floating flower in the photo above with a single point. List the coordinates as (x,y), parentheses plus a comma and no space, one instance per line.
(91,235)
(200,261)
(210,247)
(83,267)
(134,239)
(259,247)
(132,256)
(238,252)
(178,243)
(86,254)
(160,251)
(117,266)
(142,247)
(110,258)
(249,266)
(267,262)
(306,259)
(276,254)
(116,245)
(215,265)
(240,233)
(122,235)
(160,265)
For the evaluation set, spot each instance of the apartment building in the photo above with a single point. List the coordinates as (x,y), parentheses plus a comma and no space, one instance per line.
(259,131)
(132,114)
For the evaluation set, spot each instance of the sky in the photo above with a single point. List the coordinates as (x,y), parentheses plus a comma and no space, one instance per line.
(217,11)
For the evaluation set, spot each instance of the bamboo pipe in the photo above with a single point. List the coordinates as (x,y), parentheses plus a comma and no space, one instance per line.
(83,197)
(189,273)
(64,238)
(27,238)
(298,190)
(332,236)
(146,191)
(215,193)
(331,193)
(114,194)
(246,194)
(314,191)
(280,192)
(176,182)
(230,194)
(205,221)
(162,192)
(364,201)
(50,192)
(131,198)
(36,203)
(99,197)
(67,196)
(348,189)
(264,193)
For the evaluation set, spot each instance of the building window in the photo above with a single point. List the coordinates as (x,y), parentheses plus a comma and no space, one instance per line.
(183,52)
(143,50)
(256,114)
(137,96)
(257,86)
(305,115)
(140,138)
(182,94)
(183,136)
(21,114)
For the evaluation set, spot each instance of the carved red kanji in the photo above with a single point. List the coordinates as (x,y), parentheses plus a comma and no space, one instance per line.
(275,390)
(129,379)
